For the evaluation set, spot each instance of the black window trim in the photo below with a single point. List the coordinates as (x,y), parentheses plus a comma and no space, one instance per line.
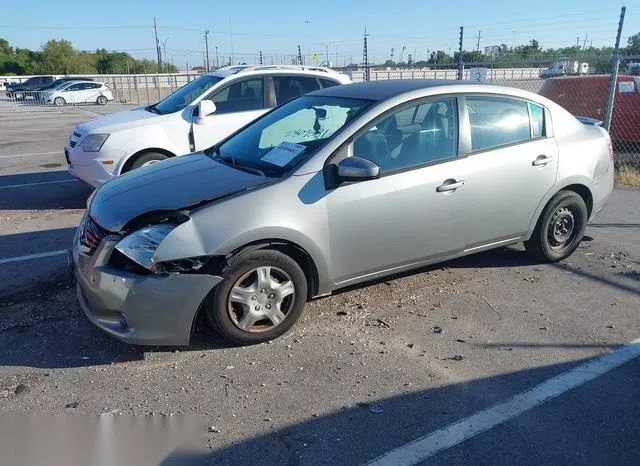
(548,133)
(346,149)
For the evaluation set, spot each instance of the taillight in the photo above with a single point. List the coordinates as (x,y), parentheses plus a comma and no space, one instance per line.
(610,145)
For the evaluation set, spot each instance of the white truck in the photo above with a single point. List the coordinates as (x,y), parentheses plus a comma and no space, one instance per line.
(565,67)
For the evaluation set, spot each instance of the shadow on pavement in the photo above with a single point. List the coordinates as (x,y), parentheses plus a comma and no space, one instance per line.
(51,190)
(363,431)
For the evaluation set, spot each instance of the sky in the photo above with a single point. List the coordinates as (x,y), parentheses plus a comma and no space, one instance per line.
(276,27)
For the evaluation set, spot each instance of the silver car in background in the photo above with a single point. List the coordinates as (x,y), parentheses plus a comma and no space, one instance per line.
(338,187)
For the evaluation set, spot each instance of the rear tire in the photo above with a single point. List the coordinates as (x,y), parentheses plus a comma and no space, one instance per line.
(259,309)
(101,100)
(59,102)
(560,228)
(146,159)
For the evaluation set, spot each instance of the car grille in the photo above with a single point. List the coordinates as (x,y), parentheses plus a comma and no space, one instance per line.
(90,235)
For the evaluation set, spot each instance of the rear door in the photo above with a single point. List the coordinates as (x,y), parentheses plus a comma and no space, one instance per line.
(237,104)
(512,165)
(90,92)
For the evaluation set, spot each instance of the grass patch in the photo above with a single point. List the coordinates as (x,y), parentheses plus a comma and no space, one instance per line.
(628,177)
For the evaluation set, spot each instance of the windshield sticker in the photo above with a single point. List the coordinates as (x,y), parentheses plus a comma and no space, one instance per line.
(626,86)
(283,153)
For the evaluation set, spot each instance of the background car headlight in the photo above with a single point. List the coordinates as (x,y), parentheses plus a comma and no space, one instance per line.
(93,142)
(140,245)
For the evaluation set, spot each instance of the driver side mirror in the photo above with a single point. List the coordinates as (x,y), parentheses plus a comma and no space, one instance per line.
(357,169)
(205,108)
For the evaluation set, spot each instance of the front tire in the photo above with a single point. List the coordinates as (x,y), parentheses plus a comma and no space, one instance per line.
(263,293)
(101,100)
(146,159)
(59,102)
(560,228)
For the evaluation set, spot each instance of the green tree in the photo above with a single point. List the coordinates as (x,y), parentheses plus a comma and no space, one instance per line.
(633,45)
(58,56)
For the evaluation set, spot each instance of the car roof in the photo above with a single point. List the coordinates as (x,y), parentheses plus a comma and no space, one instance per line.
(384,89)
(227,71)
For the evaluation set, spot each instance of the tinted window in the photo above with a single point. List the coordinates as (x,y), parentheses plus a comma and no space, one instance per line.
(185,95)
(401,141)
(75,87)
(289,87)
(496,121)
(240,96)
(328,83)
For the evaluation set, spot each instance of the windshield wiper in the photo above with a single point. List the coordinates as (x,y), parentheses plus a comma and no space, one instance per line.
(230,160)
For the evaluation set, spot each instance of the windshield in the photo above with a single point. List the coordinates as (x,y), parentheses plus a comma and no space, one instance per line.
(286,137)
(185,95)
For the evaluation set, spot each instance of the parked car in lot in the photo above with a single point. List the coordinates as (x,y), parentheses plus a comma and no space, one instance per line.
(20,91)
(338,187)
(60,81)
(587,96)
(77,92)
(194,117)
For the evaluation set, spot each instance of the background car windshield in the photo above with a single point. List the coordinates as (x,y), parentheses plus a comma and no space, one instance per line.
(186,94)
(292,133)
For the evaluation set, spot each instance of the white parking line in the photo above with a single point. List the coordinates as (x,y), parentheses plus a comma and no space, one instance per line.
(35,184)
(36,153)
(28,257)
(458,432)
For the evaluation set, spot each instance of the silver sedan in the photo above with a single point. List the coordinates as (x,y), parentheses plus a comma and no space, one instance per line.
(338,187)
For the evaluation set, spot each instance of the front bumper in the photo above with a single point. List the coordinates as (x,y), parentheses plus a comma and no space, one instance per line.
(138,309)
(85,167)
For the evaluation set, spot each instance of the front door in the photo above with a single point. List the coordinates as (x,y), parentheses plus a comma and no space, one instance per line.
(237,104)
(413,212)
(512,166)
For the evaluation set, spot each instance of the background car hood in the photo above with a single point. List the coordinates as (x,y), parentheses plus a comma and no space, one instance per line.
(172,184)
(117,121)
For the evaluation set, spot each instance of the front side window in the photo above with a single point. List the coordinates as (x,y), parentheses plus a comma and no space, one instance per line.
(240,96)
(184,95)
(412,136)
(289,87)
(497,121)
(287,136)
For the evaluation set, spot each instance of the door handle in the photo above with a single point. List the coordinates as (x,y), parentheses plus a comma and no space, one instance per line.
(541,161)
(450,185)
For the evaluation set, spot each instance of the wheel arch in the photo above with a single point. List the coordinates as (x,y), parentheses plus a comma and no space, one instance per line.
(578,186)
(132,158)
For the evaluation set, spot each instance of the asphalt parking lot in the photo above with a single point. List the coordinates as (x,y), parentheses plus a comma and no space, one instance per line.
(421,357)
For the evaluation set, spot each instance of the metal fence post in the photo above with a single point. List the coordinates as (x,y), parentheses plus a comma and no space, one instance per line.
(146,85)
(613,79)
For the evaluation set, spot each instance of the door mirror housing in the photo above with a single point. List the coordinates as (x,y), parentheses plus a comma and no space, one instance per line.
(356,168)
(205,108)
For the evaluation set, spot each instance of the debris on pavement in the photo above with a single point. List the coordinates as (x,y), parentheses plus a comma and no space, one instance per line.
(213,429)
(457,357)
(436,329)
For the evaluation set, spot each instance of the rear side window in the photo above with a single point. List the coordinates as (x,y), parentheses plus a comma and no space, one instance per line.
(289,87)
(537,121)
(241,96)
(328,83)
(497,121)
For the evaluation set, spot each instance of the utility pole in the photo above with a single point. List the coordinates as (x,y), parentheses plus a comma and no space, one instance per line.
(164,47)
(261,57)
(578,42)
(155,28)
(326,49)
(206,48)
(613,80)
(460,63)
(365,58)
(478,47)
(217,62)
(300,55)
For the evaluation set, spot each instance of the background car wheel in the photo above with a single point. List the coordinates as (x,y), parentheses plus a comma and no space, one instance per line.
(59,102)
(146,159)
(560,228)
(101,100)
(262,295)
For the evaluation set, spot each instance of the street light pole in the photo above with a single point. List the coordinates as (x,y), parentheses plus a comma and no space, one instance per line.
(217,63)
(164,47)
